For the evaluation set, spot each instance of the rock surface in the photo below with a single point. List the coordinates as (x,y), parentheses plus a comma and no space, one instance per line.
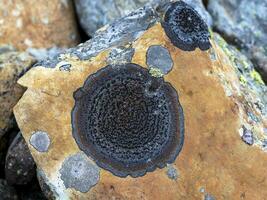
(19,166)
(12,65)
(7,192)
(93,14)
(38,24)
(220,95)
(243,23)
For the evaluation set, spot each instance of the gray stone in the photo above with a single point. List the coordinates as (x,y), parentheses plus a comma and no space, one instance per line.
(19,166)
(48,190)
(7,192)
(159,57)
(40,141)
(42,53)
(74,170)
(243,23)
(120,55)
(93,14)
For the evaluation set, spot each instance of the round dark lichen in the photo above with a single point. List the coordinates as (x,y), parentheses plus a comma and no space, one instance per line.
(129,122)
(185,27)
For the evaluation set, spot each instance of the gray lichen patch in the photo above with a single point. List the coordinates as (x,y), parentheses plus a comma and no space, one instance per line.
(209,197)
(172,172)
(120,55)
(79,172)
(247,136)
(159,57)
(40,141)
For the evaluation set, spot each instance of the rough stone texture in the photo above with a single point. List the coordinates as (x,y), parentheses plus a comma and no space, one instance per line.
(243,23)
(219,92)
(7,192)
(93,14)
(47,189)
(35,24)
(19,166)
(12,65)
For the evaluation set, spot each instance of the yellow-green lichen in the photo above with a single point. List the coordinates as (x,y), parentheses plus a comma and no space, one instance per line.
(211,34)
(243,80)
(155,72)
(256,77)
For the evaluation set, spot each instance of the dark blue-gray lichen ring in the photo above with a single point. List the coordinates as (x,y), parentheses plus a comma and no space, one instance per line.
(128,121)
(185,28)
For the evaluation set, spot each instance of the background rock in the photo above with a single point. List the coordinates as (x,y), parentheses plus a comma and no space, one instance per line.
(93,14)
(38,24)
(243,23)
(12,65)
(19,166)
(7,192)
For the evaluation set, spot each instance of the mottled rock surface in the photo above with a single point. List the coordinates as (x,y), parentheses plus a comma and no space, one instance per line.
(243,23)
(93,14)
(19,166)
(220,95)
(12,66)
(7,192)
(38,24)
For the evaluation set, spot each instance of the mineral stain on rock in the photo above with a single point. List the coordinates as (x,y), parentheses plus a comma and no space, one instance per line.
(79,173)
(159,57)
(185,27)
(128,121)
(40,141)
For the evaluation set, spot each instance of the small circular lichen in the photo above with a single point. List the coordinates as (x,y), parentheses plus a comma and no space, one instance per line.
(128,121)
(185,27)
(40,141)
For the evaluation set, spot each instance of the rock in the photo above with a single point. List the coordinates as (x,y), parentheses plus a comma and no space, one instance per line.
(244,24)
(7,192)
(12,65)
(19,166)
(105,114)
(47,188)
(31,191)
(93,14)
(34,24)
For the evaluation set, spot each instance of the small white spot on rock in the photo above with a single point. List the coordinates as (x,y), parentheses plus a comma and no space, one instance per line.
(28,42)
(19,23)
(15,13)
(45,20)
(40,141)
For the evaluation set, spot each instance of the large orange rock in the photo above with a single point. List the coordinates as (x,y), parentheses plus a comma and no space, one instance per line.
(37,24)
(223,155)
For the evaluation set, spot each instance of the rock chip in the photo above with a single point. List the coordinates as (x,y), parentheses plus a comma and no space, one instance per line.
(12,65)
(7,192)
(38,24)
(93,14)
(218,92)
(19,166)
(243,23)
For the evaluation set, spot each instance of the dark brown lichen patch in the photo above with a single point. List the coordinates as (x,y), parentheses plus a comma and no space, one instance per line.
(185,27)
(129,122)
